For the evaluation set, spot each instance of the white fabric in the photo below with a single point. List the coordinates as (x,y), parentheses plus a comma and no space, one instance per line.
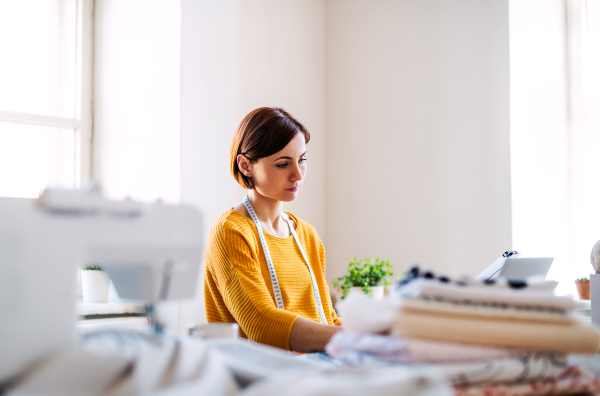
(387,381)
(73,372)
(366,315)
(412,350)
(249,361)
(120,363)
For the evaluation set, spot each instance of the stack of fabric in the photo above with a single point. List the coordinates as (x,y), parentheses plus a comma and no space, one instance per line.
(489,338)
(530,316)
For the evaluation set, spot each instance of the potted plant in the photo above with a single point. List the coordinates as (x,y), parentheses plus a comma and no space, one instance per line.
(369,276)
(583,288)
(95,284)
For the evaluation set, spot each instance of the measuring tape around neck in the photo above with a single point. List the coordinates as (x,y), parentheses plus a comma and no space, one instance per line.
(272,274)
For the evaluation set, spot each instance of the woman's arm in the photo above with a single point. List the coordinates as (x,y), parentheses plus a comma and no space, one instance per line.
(310,336)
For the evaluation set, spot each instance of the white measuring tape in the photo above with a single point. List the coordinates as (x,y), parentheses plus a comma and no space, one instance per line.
(274,281)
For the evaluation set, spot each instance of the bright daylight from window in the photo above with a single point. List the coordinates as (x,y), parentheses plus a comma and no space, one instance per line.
(555,134)
(40,85)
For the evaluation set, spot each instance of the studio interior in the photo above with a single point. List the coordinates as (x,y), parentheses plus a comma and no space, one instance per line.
(299,197)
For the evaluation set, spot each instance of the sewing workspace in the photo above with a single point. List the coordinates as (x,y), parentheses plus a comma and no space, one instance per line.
(161,233)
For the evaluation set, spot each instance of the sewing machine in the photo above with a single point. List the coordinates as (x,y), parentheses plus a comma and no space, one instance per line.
(151,252)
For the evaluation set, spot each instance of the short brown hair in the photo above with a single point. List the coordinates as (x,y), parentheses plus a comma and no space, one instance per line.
(263,132)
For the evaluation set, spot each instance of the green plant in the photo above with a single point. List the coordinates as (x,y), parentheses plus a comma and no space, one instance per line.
(585,278)
(92,267)
(364,273)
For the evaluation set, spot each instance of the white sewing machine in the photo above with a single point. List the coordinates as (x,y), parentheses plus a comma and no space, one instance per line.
(152,253)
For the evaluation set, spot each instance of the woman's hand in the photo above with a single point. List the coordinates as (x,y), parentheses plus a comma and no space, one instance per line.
(310,336)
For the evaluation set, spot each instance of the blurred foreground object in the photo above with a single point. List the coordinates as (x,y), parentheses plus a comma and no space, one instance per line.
(95,284)
(595,284)
(489,338)
(151,252)
(595,257)
(214,330)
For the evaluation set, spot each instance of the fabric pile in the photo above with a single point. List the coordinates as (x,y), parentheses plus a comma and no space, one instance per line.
(122,363)
(490,338)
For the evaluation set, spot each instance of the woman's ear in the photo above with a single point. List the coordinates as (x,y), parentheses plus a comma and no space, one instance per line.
(244,165)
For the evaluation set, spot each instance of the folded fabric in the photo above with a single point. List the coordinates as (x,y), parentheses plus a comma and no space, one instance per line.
(486,310)
(412,350)
(574,380)
(464,365)
(488,294)
(574,337)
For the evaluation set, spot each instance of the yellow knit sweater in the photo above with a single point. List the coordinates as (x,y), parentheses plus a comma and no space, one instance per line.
(237,286)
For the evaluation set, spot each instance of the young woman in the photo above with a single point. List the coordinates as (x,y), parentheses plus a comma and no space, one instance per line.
(265,268)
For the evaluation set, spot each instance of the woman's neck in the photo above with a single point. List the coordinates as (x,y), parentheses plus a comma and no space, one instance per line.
(268,210)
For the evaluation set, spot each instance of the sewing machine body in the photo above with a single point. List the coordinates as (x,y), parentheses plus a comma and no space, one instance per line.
(152,252)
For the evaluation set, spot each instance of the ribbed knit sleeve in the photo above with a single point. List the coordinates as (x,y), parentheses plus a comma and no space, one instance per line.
(233,274)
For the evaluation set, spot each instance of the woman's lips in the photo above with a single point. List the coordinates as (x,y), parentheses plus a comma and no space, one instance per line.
(293,189)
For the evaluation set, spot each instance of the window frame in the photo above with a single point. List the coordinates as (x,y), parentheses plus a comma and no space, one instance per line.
(82,124)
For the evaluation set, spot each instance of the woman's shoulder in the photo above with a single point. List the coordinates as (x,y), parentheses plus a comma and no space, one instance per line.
(303,226)
(231,222)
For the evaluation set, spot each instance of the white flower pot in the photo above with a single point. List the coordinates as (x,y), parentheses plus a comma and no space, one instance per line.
(376,291)
(94,286)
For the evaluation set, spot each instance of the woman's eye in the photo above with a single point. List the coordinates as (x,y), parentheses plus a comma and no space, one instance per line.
(282,165)
(302,160)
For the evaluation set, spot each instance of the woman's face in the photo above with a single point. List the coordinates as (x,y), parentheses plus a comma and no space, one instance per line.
(280,175)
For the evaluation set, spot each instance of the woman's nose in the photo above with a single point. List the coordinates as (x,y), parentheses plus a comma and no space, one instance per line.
(296,174)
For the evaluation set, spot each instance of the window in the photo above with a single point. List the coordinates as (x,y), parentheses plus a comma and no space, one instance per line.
(583,53)
(555,133)
(45,95)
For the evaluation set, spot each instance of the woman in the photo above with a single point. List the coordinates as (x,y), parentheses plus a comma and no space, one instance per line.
(265,268)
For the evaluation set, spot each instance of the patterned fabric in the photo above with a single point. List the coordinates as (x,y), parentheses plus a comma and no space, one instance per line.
(534,366)
(572,381)
(237,285)
(464,365)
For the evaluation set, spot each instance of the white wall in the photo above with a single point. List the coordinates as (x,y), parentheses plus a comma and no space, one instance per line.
(418,133)
(137,104)
(407,103)
(238,55)
(137,98)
